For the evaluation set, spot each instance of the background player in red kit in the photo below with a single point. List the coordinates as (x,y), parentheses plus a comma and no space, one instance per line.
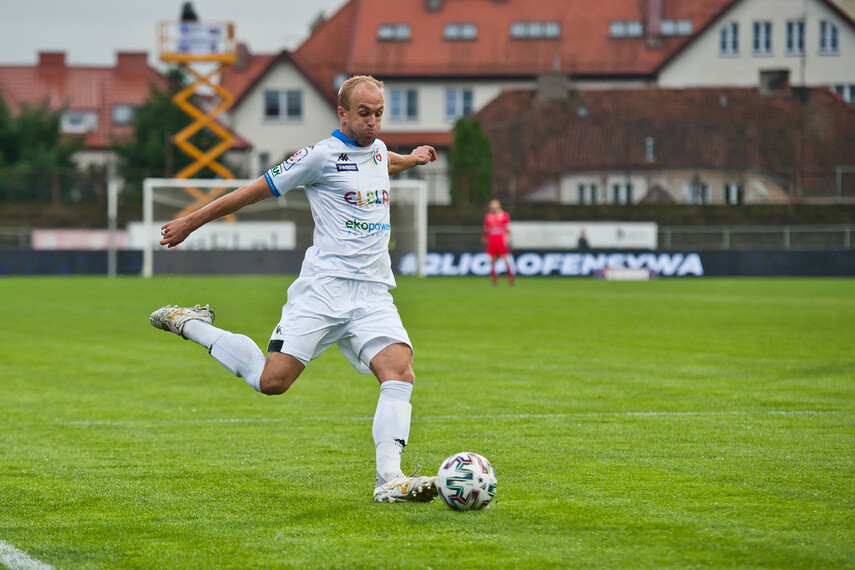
(497,238)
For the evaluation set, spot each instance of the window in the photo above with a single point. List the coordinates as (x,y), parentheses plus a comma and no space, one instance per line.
(123,114)
(795,37)
(461,32)
(294,104)
(733,194)
(631,29)
(622,193)
(405,104)
(729,39)
(698,193)
(762,38)
(587,193)
(828,42)
(535,30)
(283,105)
(393,32)
(552,30)
(684,28)
(845,91)
(338,81)
(676,27)
(458,103)
(78,121)
(271,104)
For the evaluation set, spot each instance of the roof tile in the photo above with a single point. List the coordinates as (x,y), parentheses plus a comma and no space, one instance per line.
(607,130)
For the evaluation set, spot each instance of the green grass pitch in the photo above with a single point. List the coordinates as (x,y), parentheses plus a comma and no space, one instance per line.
(671,423)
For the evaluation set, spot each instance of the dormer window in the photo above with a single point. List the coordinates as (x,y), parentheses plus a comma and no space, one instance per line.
(676,27)
(123,114)
(458,32)
(630,29)
(78,121)
(535,30)
(394,32)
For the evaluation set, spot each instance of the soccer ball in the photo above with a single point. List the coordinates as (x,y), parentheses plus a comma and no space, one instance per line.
(466,481)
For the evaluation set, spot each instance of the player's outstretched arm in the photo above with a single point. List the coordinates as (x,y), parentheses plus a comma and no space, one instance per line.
(176,231)
(421,155)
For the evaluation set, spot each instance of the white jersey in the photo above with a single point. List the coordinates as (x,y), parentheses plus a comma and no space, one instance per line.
(348,191)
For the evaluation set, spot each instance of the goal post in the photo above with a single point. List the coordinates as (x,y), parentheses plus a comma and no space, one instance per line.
(283,225)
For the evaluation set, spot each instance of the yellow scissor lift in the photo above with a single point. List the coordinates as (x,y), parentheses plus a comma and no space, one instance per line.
(202,50)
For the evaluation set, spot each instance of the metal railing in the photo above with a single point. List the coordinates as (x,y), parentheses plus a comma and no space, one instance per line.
(785,238)
(775,238)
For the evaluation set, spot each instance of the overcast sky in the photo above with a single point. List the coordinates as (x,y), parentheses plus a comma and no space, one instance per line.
(92,31)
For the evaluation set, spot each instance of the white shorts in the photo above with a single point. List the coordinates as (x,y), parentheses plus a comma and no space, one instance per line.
(357,316)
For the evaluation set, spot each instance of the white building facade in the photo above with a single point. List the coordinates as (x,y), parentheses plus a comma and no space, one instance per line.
(811,40)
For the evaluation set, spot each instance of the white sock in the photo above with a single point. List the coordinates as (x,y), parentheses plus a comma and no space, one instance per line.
(391,428)
(240,356)
(201,332)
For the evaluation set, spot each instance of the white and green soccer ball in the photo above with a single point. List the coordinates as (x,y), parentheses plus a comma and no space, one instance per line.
(466,481)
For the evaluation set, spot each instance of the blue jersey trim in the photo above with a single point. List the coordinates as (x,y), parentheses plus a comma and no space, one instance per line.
(342,137)
(269,180)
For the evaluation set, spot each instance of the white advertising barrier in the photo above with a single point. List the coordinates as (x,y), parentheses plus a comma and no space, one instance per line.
(47,239)
(600,235)
(221,236)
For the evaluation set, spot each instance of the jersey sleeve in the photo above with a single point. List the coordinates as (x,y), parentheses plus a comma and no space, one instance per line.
(303,167)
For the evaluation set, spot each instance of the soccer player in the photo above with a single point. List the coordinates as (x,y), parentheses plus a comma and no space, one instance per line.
(342,294)
(497,238)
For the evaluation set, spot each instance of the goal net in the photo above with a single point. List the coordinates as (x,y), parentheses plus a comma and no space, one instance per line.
(270,236)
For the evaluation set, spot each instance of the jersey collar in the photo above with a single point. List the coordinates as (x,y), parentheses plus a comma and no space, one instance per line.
(342,137)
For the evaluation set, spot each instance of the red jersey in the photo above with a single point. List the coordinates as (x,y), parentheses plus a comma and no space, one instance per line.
(497,223)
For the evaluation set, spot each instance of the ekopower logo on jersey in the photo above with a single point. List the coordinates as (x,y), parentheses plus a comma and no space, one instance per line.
(369,198)
(368,227)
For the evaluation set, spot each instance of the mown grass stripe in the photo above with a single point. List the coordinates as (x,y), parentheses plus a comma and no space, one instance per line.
(651,414)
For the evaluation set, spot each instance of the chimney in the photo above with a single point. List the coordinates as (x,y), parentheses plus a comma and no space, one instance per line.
(654,10)
(243,56)
(775,83)
(132,61)
(52,59)
(553,87)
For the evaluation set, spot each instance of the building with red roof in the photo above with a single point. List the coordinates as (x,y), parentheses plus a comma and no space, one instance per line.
(689,146)
(98,102)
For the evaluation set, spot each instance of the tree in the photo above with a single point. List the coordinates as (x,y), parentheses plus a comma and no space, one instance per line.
(34,152)
(471,164)
(149,151)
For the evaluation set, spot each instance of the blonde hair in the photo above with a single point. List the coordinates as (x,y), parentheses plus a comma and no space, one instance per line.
(348,86)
